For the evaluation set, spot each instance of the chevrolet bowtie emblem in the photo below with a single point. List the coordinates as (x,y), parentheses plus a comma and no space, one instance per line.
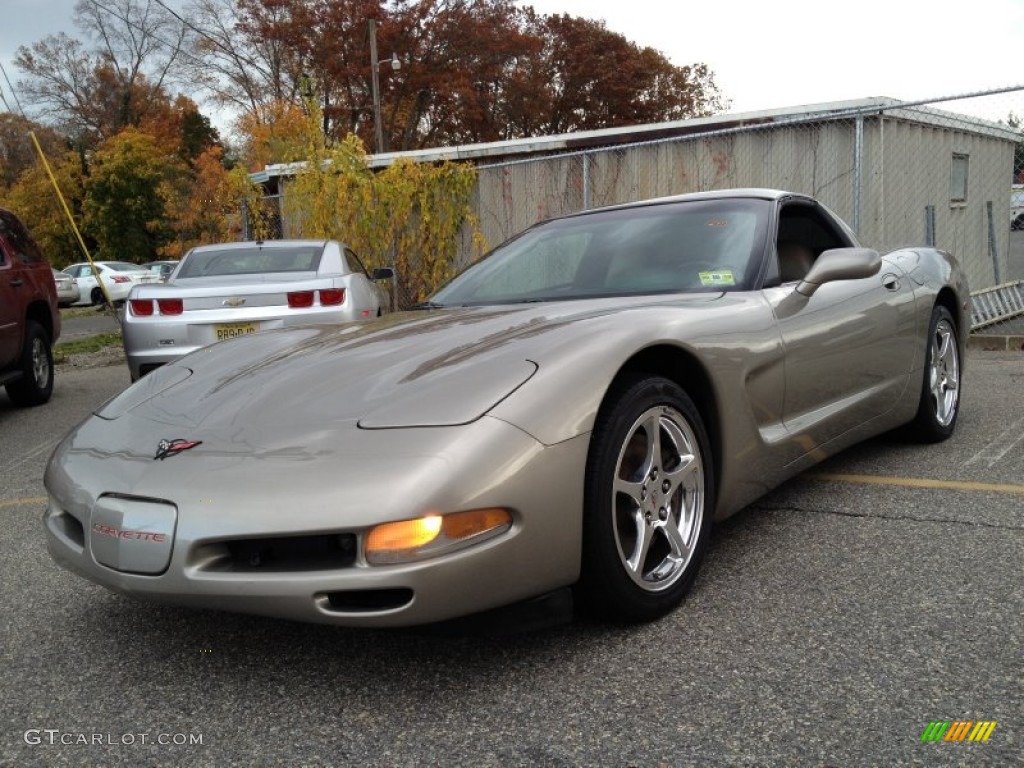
(233,302)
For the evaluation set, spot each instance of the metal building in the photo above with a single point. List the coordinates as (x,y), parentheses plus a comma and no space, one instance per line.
(900,173)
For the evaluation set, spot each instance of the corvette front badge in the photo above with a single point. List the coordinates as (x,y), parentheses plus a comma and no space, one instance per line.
(173,447)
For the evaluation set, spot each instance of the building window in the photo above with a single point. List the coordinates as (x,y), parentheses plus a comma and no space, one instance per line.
(958,180)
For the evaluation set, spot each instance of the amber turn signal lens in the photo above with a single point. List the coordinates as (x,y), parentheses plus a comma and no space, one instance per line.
(432,535)
(463,525)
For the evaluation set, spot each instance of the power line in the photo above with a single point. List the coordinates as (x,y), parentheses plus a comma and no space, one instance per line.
(14,93)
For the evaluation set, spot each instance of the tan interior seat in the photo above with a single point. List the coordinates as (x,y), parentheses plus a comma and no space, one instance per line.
(795,261)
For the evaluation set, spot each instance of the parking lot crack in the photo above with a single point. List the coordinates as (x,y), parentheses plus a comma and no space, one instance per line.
(882,516)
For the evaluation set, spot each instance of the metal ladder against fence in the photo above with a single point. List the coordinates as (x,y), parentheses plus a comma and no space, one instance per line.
(995,304)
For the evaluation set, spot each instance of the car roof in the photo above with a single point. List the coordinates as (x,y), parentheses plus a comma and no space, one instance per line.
(749,193)
(261,244)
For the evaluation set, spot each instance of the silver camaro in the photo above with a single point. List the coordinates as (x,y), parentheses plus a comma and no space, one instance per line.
(575,409)
(221,291)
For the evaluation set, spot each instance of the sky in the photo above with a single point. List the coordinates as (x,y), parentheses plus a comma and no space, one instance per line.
(764,55)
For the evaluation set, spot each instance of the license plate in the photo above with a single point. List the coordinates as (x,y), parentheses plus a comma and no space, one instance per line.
(230,330)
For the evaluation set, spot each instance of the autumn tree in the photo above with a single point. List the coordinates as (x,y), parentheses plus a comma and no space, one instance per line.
(33,198)
(473,71)
(241,53)
(17,152)
(596,78)
(126,197)
(202,206)
(179,127)
(277,134)
(92,89)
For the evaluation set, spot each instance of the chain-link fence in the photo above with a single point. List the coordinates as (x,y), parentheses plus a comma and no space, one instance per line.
(938,172)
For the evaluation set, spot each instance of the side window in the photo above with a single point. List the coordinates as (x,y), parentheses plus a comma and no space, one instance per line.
(5,243)
(958,179)
(354,262)
(804,233)
(22,245)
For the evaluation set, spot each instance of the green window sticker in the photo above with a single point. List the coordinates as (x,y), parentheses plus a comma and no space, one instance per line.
(717,278)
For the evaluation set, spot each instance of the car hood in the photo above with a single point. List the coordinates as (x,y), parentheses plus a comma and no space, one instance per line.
(413,369)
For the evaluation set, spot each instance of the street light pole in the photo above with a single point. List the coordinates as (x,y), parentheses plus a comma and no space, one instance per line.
(376,86)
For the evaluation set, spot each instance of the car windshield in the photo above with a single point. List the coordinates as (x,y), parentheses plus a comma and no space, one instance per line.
(251,261)
(692,246)
(124,266)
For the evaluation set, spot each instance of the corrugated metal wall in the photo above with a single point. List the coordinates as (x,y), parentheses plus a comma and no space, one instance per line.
(882,188)
(884,166)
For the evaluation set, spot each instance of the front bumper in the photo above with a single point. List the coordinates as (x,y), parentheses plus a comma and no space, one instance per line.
(220,498)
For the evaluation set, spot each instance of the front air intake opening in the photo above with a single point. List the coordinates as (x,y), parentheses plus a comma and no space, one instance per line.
(287,554)
(67,525)
(368,600)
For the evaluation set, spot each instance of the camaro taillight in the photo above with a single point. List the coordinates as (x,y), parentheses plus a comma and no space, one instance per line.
(121,279)
(300,299)
(171,306)
(141,307)
(331,297)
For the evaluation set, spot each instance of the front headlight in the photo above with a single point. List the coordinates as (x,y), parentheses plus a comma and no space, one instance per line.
(432,535)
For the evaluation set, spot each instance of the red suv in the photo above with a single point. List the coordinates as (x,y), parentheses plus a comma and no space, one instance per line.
(29,319)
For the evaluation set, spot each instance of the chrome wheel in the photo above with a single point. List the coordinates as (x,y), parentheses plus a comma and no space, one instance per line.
(658,498)
(40,363)
(944,372)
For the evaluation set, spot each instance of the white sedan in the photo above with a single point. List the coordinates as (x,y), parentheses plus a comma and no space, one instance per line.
(119,277)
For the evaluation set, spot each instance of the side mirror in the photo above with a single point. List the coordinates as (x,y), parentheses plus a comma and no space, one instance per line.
(840,264)
(382,273)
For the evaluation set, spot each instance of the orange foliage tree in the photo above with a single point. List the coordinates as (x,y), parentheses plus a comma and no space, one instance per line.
(470,72)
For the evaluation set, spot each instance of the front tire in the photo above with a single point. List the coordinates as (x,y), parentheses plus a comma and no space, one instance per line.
(939,405)
(36,383)
(649,498)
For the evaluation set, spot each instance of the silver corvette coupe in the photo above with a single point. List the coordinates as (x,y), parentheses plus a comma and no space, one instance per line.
(221,291)
(575,409)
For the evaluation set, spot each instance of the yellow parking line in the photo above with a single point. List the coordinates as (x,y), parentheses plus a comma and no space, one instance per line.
(919,482)
(22,502)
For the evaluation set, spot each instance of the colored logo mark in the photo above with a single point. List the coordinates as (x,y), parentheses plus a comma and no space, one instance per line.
(958,730)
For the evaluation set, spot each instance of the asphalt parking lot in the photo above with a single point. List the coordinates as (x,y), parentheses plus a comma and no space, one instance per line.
(832,622)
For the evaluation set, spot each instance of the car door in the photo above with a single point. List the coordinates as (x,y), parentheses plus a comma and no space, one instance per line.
(10,307)
(849,347)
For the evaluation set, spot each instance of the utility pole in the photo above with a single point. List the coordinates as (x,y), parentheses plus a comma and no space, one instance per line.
(376,86)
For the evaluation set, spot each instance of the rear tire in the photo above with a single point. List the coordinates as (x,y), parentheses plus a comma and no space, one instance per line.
(939,405)
(36,383)
(96,297)
(648,500)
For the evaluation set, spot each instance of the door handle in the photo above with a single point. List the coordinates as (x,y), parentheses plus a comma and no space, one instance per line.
(17,282)
(891,282)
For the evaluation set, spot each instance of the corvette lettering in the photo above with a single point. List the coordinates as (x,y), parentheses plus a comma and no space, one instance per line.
(173,447)
(117,533)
